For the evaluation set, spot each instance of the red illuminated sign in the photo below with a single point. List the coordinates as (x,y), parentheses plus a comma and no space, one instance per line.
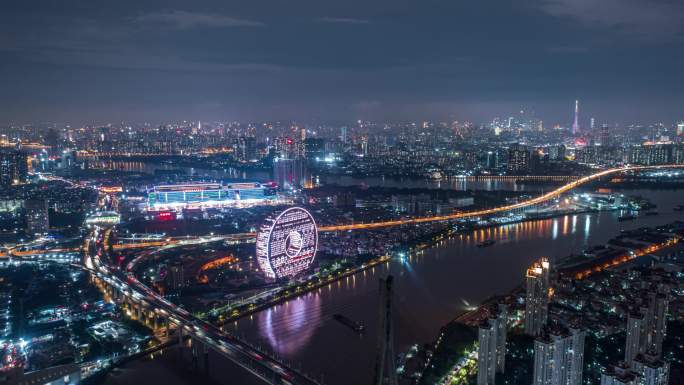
(166,216)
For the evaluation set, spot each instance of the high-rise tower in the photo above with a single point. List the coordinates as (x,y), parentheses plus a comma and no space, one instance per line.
(653,370)
(559,357)
(492,345)
(636,336)
(537,297)
(486,352)
(575,124)
(659,322)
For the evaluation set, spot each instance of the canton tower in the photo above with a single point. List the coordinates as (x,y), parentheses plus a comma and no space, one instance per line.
(575,124)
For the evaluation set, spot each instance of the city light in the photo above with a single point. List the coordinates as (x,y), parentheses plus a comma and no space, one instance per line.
(286,244)
(451,193)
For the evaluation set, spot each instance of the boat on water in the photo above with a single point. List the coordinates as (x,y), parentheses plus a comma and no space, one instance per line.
(486,243)
(626,217)
(353,325)
(435,175)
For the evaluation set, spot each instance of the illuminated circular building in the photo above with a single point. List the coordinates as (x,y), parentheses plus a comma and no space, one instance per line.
(286,243)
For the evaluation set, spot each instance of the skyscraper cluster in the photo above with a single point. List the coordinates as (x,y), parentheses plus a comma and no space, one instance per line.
(646,369)
(646,329)
(558,350)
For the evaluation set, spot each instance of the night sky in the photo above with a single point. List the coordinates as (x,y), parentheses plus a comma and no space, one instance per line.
(319,60)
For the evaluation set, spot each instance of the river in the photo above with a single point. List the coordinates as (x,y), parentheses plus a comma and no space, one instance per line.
(430,290)
(232,174)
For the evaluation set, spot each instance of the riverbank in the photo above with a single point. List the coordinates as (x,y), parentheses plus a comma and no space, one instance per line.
(432,287)
(445,366)
(229,313)
(293,291)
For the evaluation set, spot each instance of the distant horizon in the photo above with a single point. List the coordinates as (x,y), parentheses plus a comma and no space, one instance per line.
(584,122)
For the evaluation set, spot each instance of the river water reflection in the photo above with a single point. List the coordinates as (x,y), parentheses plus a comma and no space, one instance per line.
(344,180)
(431,289)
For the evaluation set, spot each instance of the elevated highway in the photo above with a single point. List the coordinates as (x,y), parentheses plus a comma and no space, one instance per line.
(495,210)
(577,182)
(148,307)
(185,241)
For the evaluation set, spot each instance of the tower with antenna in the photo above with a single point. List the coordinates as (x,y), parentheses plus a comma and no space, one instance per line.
(575,123)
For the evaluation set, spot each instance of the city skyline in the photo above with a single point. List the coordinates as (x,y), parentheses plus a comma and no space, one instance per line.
(434,192)
(576,124)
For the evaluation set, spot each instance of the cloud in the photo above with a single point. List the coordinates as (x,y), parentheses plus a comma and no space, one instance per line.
(92,44)
(132,58)
(645,19)
(342,20)
(185,20)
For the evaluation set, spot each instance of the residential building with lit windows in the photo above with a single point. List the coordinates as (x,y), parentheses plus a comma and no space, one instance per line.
(537,282)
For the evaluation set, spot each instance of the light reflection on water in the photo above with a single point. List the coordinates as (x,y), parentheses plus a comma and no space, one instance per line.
(286,326)
(432,288)
(149,168)
(232,173)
